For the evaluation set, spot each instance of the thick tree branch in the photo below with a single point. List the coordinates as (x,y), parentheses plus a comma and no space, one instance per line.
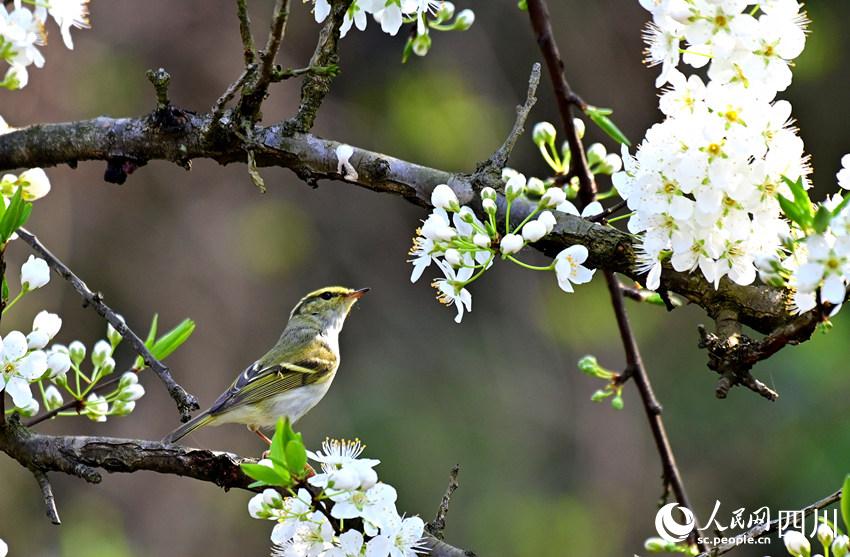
(185,402)
(312,158)
(82,456)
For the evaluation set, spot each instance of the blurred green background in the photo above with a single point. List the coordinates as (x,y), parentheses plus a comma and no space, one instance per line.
(545,472)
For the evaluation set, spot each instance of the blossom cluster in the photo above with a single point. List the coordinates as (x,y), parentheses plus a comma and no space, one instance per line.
(392,14)
(22,32)
(833,542)
(27,360)
(349,490)
(703,184)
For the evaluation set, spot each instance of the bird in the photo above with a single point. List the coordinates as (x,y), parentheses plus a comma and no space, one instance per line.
(293,376)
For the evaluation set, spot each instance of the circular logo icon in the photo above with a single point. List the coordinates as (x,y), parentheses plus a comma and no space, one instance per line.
(669,528)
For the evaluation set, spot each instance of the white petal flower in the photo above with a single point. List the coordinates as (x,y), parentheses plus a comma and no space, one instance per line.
(34,184)
(843,175)
(34,273)
(4,549)
(58,362)
(321,10)
(553,197)
(450,289)
(48,323)
(569,269)
(341,466)
(400,538)
(376,506)
(796,543)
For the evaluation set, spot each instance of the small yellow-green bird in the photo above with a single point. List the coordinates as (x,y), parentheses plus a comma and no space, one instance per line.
(293,376)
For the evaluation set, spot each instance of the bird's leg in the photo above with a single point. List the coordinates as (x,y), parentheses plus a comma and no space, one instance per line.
(260,434)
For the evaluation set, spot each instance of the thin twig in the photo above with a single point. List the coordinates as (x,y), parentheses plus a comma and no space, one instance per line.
(218,108)
(47,495)
(608,212)
(538,12)
(438,525)
(316,87)
(254,92)
(500,158)
(637,371)
(248,49)
(185,402)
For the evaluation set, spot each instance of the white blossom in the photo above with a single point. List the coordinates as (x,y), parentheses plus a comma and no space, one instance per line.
(34,273)
(376,506)
(19,368)
(796,543)
(342,467)
(402,537)
(569,268)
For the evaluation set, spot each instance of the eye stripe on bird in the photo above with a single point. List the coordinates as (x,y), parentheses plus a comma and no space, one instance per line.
(294,375)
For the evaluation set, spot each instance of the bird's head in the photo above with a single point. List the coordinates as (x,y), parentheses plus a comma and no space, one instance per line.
(325,309)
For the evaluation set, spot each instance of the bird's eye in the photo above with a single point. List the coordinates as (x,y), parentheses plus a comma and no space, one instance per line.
(326,296)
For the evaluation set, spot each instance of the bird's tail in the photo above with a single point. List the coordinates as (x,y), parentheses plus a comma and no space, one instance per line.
(198,421)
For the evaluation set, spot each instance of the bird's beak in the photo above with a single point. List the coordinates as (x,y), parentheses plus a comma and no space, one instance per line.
(357,294)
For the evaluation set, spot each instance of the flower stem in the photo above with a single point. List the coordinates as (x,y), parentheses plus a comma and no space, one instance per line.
(14,300)
(532,267)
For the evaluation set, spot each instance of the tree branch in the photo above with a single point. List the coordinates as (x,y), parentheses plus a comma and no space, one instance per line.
(81,456)
(254,92)
(763,308)
(185,402)
(538,12)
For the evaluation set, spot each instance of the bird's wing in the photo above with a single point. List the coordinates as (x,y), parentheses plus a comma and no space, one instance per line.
(258,382)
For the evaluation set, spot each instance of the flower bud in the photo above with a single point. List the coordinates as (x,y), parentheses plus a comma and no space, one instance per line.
(112,334)
(548,220)
(422,44)
(77,351)
(535,187)
(453,257)
(488,193)
(271,498)
(481,240)
(107,367)
(515,186)
(533,231)
(29,410)
(102,350)
(588,364)
(599,395)
(34,273)
(489,206)
(257,508)
(445,12)
(435,228)
(47,322)
(58,363)
(841,546)
(444,197)
(578,123)
(96,408)
(37,340)
(553,197)
(511,243)
(825,535)
(127,379)
(655,545)
(132,393)
(52,398)
(544,134)
(464,20)
(122,407)
(617,403)
(611,164)
(797,544)
(35,184)
(596,153)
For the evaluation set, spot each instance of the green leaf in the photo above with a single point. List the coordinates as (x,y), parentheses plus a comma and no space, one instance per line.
(845,502)
(408,50)
(821,219)
(801,196)
(289,434)
(277,451)
(522,5)
(15,215)
(171,341)
(5,291)
(296,456)
(600,118)
(794,213)
(264,474)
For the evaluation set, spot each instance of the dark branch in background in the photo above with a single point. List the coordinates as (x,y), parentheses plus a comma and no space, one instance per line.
(254,91)
(538,12)
(437,525)
(764,529)
(82,456)
(316,86)
(185,402)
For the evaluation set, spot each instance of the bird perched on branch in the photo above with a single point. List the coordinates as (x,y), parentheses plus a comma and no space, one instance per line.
(293,376)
